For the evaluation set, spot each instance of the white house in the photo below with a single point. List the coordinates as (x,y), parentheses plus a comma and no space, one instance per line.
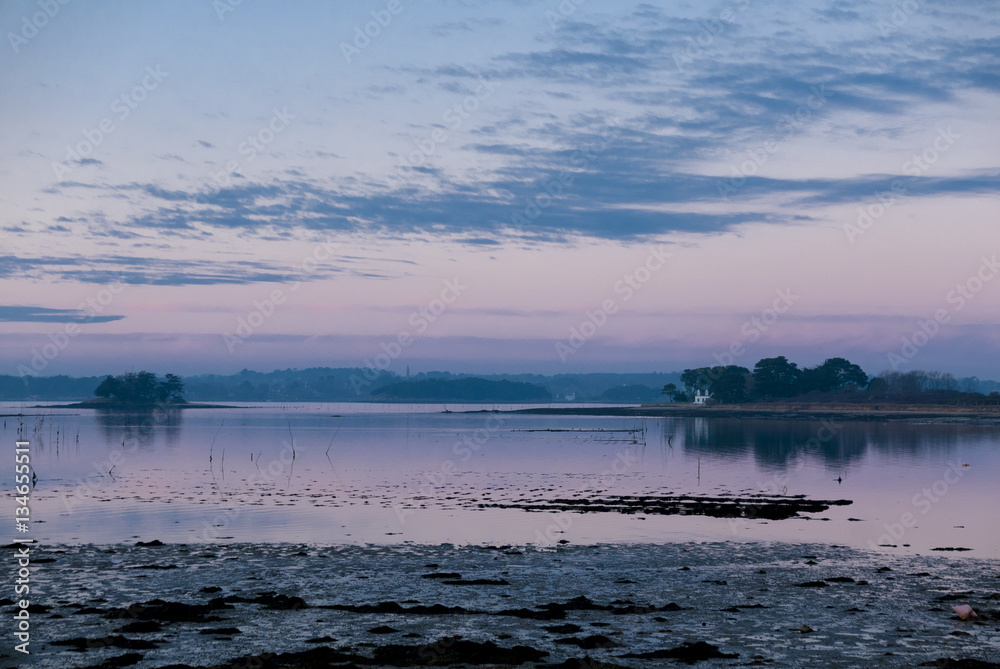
(700,398)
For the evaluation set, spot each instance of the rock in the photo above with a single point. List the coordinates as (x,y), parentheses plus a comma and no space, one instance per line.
(312,658)
(689,653)
(442,574)
(964,611)
(126,660)
(157,609)
(588,643)
(111,641)
(812,584)
(149,544)
(383,629)
(549,614)
(568,628)
(948,663)
(455,651)
(805,629)
(140,627)
(581,663)
(275,602)
(221,631)
(393,607)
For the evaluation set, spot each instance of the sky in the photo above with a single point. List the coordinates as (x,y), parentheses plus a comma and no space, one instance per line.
(488,186)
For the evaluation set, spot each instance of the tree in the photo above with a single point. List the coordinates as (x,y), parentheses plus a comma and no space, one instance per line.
(109,387)
(141,388)
(834,373)
(172,389)
(729,383)
(696,379)
(725,383)
(671,391)
(145,387)
(776,377)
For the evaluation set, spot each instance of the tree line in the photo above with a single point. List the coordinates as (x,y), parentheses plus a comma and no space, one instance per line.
(770,378)
(778,378)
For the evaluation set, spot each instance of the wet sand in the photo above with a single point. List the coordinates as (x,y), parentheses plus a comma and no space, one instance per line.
(713,604)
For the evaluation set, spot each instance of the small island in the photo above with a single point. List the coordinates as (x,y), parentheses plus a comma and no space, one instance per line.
(139,390)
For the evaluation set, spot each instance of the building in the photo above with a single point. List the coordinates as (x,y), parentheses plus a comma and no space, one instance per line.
(700,398)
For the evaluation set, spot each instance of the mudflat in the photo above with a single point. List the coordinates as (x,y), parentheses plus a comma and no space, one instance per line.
(726,604)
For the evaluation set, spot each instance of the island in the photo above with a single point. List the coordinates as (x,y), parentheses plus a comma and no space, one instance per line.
(139,391)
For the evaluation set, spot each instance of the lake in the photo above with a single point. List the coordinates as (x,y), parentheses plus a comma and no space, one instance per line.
(392,474)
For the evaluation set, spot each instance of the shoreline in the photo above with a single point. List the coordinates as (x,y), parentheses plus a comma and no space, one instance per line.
(117,406)
(787,411)
(604,605)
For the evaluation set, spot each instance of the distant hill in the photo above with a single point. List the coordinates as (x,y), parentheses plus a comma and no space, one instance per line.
(324,384)
(462,390)
(351,384)
(635,393)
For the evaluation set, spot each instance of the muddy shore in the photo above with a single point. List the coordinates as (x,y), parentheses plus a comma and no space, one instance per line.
(151,605)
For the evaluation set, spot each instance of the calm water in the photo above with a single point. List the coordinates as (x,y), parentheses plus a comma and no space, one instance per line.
(409,473)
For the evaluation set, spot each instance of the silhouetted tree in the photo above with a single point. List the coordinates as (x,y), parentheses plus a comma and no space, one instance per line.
(141,388)
(776,377)
(109,387)
(726,383)
(729,384)
(834,373)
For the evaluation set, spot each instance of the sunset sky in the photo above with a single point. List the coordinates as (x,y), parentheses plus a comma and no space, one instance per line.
(296,184)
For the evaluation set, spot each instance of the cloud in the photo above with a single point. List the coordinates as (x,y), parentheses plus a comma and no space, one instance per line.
(140,270)
(20,314)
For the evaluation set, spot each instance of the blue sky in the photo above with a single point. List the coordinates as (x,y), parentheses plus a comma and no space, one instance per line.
(206,154)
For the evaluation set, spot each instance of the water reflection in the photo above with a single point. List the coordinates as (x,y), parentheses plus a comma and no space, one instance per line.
(838,445)
(141,426)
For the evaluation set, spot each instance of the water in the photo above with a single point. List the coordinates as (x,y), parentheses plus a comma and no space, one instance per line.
(390,474)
